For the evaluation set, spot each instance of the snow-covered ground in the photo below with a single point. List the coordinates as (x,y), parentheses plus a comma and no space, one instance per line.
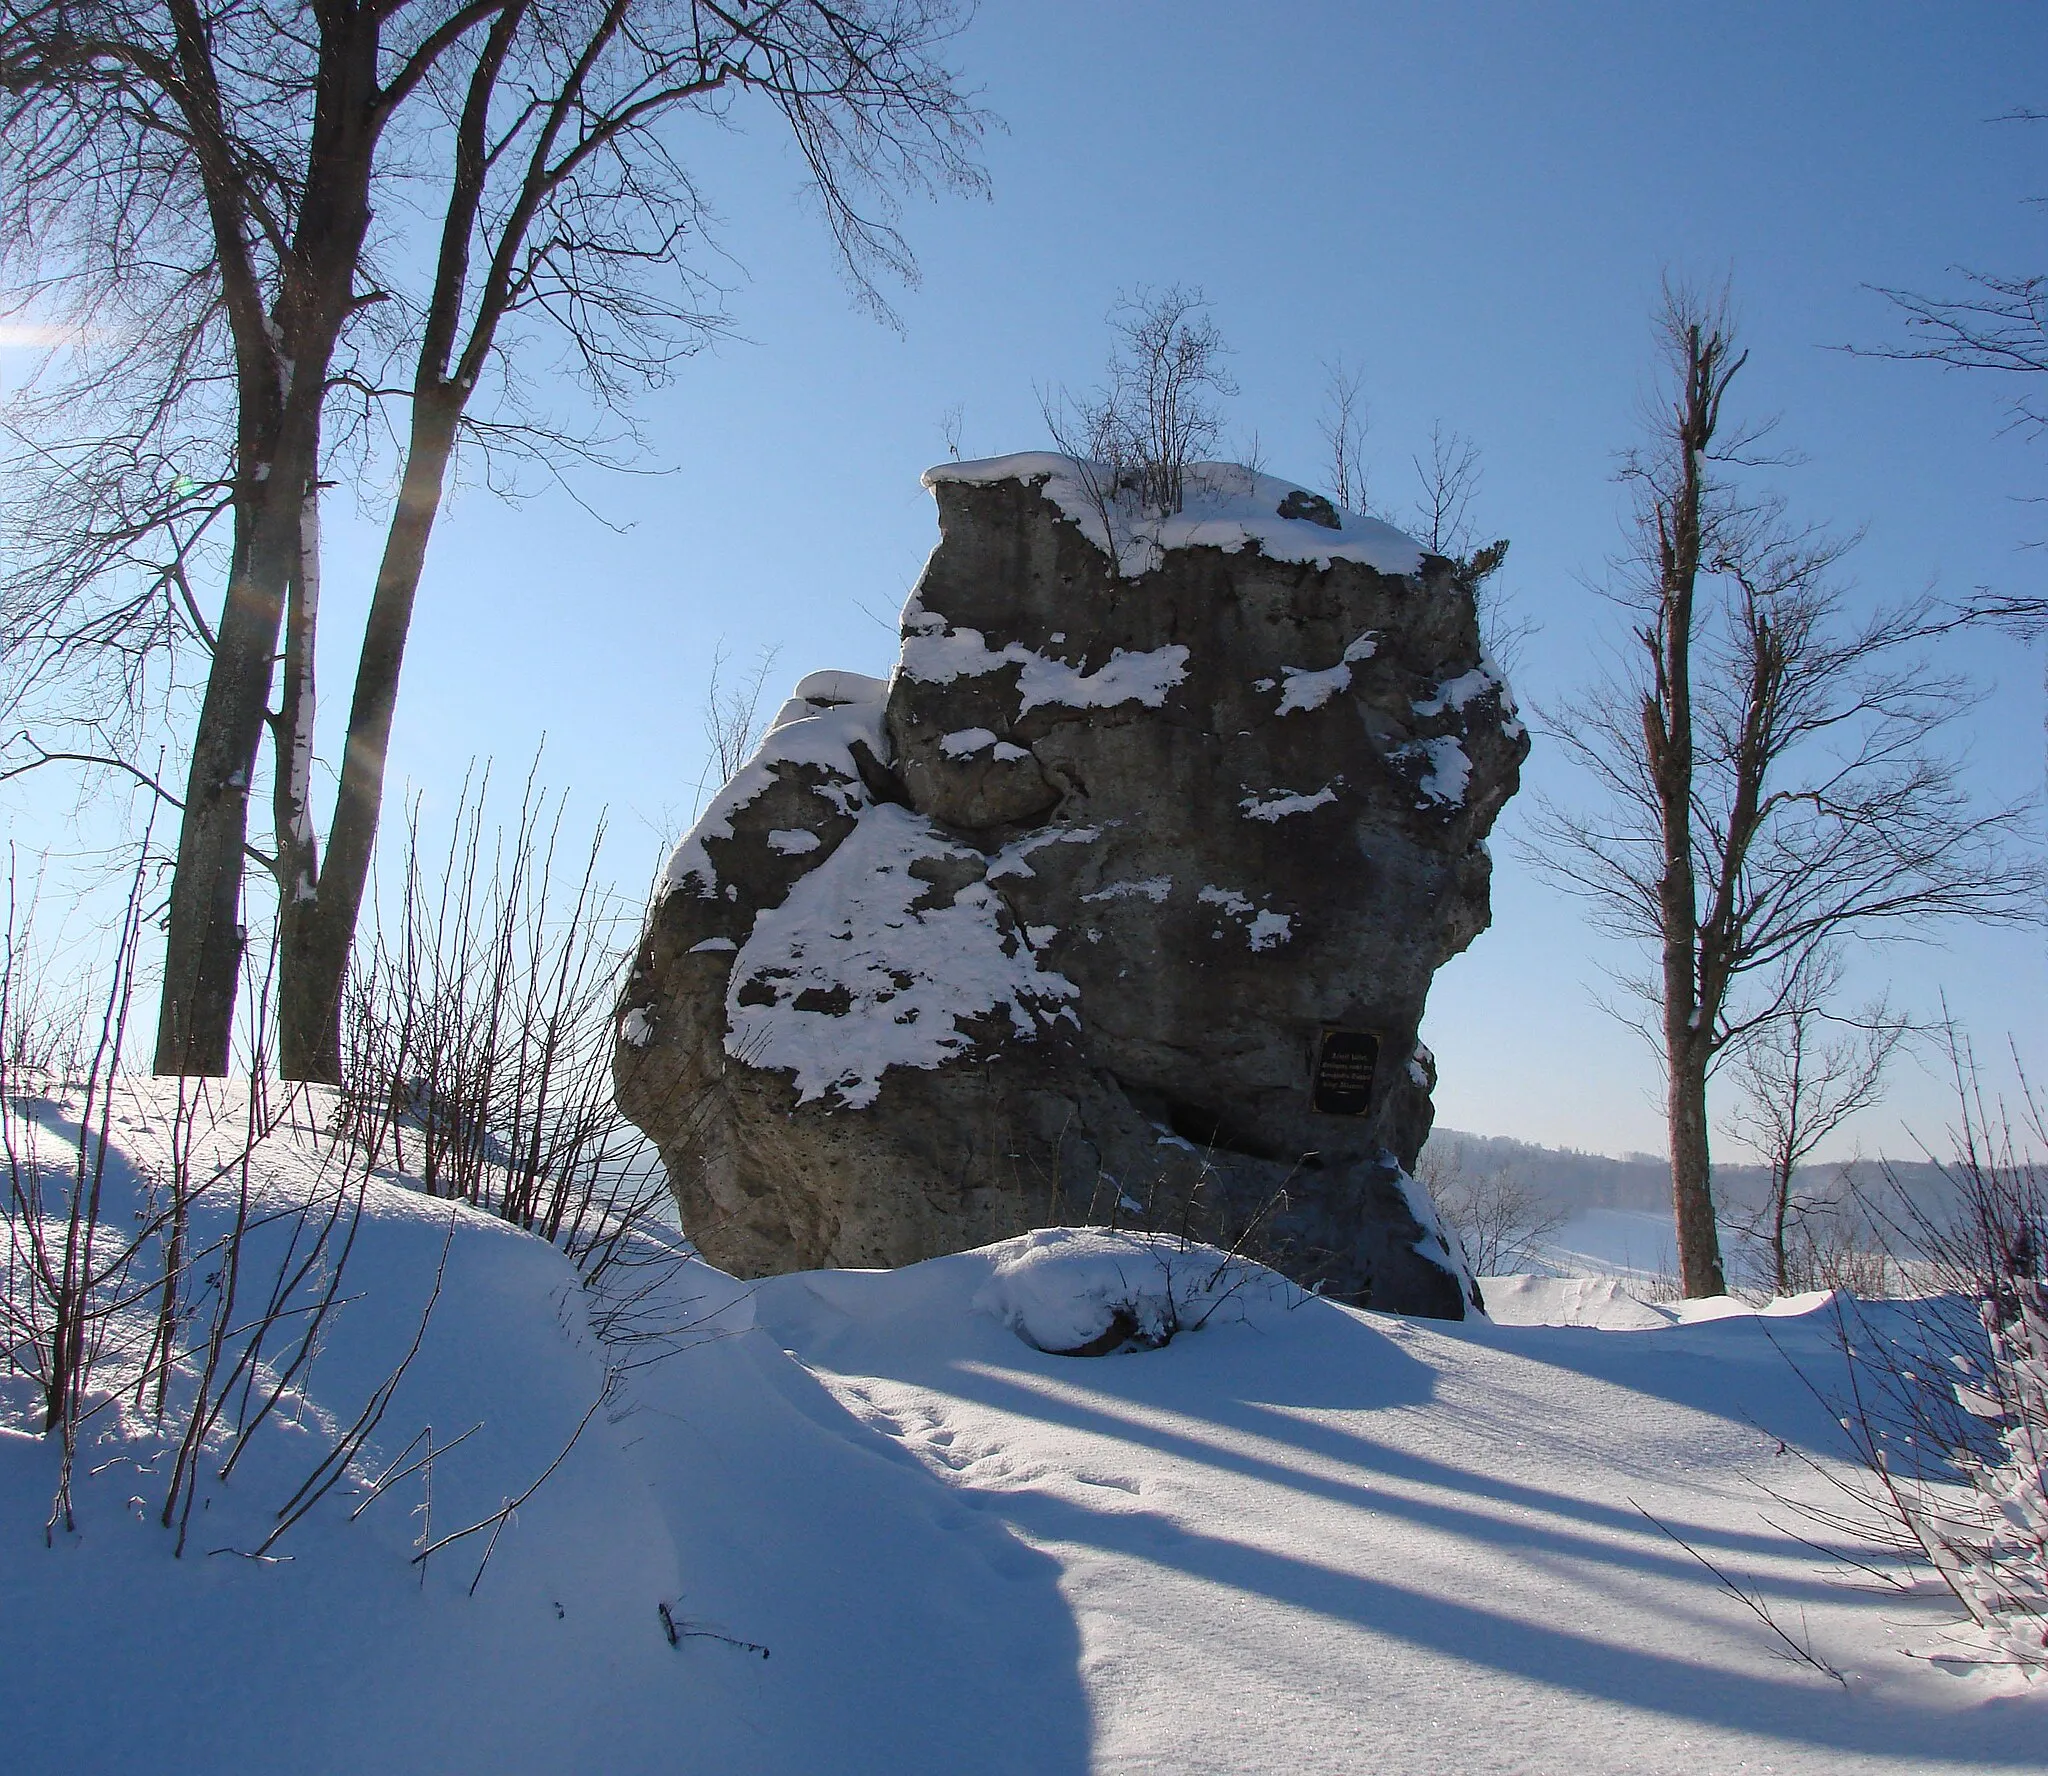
(1635,1244)
(1295,1538)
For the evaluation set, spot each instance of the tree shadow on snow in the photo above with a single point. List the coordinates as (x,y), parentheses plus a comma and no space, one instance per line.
(1799,1707)
(1229,1386)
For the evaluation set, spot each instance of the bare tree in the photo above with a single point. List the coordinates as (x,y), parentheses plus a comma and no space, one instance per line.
(732,715)
(1448,479)
(1164,381)
(1499,1217)
(1801,1076)
(242,181)
(1344,424)
(1768,761)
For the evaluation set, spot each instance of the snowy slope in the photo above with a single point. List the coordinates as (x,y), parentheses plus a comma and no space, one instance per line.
(1298,1539)
(1309,1539)
(1633,1243)
(116,1657)
(721,1480)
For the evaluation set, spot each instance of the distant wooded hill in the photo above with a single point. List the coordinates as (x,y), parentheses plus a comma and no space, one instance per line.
(1570,1180)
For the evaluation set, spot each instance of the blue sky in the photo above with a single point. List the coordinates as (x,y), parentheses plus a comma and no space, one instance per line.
(1471,203)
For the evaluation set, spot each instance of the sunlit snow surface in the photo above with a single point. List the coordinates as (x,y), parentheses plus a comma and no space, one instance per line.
(1301,1539)
(1309,1539)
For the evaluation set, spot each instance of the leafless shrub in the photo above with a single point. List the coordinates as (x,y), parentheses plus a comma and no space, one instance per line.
(67,1270)
(732,717)
(1099,464)
(1160,401)
(1838,1247)
(44,1014)
(1801,1075)
(1187,1286)
(1447,478)
(1156,411)
(253,1358)
(1499,1218)
(1946,1400)
(1661,1287)
(193,1294)
(1190,1198)
(479,1034)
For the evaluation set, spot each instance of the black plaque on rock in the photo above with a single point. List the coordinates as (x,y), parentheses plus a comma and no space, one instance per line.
(1345,1063)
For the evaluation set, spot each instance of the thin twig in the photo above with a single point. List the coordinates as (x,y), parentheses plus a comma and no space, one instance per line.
(1795,1649)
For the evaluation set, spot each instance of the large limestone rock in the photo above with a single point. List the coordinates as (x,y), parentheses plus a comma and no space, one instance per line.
(1119,901)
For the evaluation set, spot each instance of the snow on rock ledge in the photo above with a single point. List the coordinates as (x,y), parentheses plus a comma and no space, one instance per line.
(857,971)
(1225,506)
(1058,918)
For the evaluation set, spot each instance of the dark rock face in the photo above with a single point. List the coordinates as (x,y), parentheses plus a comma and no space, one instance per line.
(1122,902)
(1312,506)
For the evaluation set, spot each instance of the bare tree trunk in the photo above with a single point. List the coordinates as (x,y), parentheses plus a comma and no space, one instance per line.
(1692,1194)
(1688,1044)
(1689,1012)
(203,947)
(1687,1039)
(282,358)
(313,963)
(298,850)
(1781,1211)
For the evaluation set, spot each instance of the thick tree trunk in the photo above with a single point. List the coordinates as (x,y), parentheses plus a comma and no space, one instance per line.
(282,359)
(314,964)
(1688,1048)
(203,948)
(1688,1019)
(1692,1193)
(311,971)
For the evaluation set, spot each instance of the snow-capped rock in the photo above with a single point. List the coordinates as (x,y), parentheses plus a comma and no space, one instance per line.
(1058,918)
